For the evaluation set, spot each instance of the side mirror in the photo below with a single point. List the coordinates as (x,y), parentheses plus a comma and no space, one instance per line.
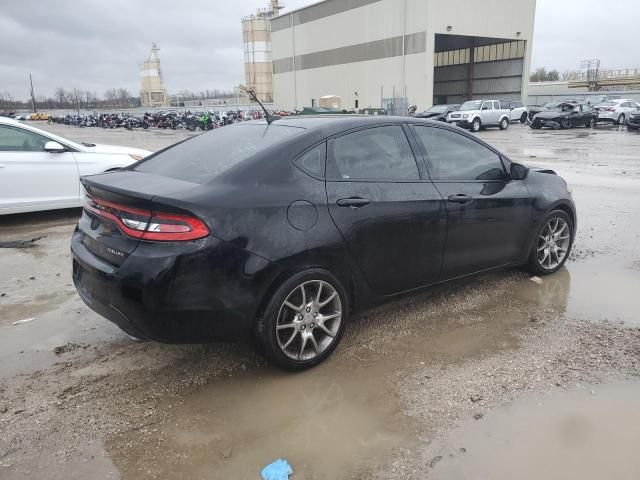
(518,172)
(54,147)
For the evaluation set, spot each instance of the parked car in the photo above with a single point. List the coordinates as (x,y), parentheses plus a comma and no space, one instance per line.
(283,231)
(616,111)
(518,112)
(41,171)
(438,112)
(633,121)
(598,99)
(566,115)
(477,114)
(533,111)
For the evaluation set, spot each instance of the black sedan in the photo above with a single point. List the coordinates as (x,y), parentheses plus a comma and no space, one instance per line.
(566,115)
(545,107)
(282,231)
(633,122)
(438,112)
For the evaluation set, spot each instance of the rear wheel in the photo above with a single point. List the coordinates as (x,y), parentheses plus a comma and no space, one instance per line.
(476,125)
(504,124)
(523,118)
(552,244)
(592,123)
(304,320)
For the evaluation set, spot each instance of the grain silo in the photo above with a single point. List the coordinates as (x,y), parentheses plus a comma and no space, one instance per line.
(256,31)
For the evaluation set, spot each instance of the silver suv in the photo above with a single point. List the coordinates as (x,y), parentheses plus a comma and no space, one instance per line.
(476,114)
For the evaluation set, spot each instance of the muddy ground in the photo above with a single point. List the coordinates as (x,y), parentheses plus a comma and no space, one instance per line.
(493,377)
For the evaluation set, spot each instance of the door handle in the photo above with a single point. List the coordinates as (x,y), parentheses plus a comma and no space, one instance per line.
(461,199)
(355,202)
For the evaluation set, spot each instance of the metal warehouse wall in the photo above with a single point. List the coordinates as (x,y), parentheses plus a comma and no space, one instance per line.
(367,50)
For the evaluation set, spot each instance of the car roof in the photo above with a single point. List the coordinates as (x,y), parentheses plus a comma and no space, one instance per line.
(9,120)
(51,136)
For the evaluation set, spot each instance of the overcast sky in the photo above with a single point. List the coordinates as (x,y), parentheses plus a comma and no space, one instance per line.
(97,44)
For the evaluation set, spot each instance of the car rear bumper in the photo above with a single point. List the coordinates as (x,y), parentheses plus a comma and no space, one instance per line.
(608,117)
(170,294)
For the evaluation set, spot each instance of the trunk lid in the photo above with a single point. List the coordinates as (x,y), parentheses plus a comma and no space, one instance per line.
(138,193)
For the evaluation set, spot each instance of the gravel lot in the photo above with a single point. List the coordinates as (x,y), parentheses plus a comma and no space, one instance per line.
(493,377)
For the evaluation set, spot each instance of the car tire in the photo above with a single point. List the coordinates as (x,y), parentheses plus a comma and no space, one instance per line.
(523,118)
(504,124)
(565,124)
(290,331)
(592,123)
(550,238)
(621,119)
(476,125)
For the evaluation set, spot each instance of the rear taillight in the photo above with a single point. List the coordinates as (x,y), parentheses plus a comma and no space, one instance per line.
(149,225)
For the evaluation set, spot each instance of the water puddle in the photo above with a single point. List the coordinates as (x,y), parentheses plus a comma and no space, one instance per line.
(337,420)
(597,288)
(589,433)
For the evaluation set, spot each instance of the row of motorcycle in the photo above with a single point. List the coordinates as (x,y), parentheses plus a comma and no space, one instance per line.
(164,120)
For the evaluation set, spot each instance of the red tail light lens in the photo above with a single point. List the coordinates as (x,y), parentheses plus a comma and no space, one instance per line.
(148,225)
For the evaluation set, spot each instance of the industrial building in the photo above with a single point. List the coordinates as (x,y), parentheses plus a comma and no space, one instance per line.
(394,53)
(152,91)
(258,67)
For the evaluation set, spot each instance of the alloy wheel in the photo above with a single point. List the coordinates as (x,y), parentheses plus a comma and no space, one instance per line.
(309,320)
(476,125)
(553,243)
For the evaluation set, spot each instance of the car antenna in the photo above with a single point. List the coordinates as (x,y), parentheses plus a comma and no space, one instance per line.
(270,118)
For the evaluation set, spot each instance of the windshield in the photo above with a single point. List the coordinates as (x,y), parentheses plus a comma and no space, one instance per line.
(437,109)
(473,105)
(206,156)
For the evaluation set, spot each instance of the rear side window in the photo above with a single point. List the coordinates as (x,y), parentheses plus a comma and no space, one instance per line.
(208,155)
(312,161)
(455,157)
(381,153)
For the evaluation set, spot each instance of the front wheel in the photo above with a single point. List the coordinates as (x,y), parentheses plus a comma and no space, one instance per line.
(564,123)
(523,118)
(504,124)
(303,321)
(552,244)
(621,119)
(476,125)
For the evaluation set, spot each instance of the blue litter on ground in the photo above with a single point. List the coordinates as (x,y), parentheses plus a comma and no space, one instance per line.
(278,470)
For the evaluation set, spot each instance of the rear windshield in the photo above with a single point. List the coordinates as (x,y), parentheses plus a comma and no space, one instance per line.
(206,156)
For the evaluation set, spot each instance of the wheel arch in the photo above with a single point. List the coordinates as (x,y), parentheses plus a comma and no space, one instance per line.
(294,266)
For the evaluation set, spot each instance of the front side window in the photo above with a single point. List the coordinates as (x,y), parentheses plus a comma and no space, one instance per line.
(381,153)
(18,140)
(452,157)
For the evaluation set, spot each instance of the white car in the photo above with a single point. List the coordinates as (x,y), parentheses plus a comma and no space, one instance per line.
(41,171)
(518,112)
(617,110)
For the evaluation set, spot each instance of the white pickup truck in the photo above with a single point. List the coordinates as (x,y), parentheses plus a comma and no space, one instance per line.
(477,114)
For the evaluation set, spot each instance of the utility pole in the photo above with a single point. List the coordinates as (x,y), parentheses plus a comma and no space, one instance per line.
(75,92)
(593,72)
(33,97)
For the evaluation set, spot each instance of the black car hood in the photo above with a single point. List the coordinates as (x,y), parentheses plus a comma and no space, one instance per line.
(430,115)
(551,115)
